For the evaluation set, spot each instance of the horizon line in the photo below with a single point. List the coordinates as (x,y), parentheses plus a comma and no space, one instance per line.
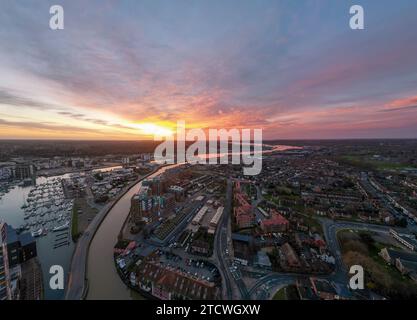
(149,140)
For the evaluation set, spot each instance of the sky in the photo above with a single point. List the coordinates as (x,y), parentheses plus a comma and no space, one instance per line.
(126,70)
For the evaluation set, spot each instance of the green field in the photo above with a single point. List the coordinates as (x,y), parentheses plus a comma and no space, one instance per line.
(365,163)
(360,248)
(280,294)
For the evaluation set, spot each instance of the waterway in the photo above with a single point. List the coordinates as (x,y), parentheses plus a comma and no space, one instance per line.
(12,213)
(103,279)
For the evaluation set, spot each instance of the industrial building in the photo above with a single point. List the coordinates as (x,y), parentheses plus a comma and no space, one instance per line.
(216,218)
(200,215)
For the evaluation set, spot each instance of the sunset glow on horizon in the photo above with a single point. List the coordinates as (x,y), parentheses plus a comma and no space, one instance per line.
(130,70)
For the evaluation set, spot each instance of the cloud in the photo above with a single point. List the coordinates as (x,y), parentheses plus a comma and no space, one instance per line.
(280,66)
(28,125)
(8,97)
(406,108)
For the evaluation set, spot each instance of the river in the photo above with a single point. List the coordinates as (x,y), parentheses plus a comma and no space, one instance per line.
(103,279)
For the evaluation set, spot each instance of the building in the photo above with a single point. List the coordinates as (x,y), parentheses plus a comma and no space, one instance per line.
(199,216)
(405,262)
(20,273)
(166,283)
(390,255)
(13,245)
(316,289)
(408,242)
(263,261)
(156,184)
(407,267)
(244,218)
(23,171)
(289,257)
(242,211)
(20,248)
(216,218)
(142,204)
(167,201)
(5,288)
(276,223)
(178,191)
(324,289)
(243,247)
(6,170)
(200,247)
(304,289)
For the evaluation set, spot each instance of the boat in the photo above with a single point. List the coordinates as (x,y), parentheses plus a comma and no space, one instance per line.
(62,227)
(37,233)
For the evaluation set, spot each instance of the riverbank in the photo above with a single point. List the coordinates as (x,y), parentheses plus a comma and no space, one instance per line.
(62,171)
(77,286)
(142,295)
(103,278)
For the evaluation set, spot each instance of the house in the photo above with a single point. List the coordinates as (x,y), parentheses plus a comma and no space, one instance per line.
(405,262)
(304,289)
(289,257)
(277,223)
(324,289)
(408,268)
(244,218)
(200,247)
(167,283)
(263,261)
(390,255)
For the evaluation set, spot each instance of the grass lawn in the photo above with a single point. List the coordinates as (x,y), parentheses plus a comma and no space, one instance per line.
(82,214)
(364,162)
(136,295)
(312,222)
(363,243)
(281,294)
(286,293)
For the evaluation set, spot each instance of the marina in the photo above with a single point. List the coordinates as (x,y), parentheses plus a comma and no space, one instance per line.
(39,208)
(42,208)
(46,209)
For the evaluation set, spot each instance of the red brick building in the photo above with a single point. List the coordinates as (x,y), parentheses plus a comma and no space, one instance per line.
(277,223)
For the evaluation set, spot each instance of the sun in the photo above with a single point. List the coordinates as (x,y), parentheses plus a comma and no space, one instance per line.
(153,129)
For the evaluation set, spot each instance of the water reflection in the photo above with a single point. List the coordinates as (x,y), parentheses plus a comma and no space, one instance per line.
(48,254)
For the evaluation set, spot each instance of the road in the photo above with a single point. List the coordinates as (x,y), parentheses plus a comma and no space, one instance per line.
(220,242)
(330,228)
(77,281)
(339,276)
